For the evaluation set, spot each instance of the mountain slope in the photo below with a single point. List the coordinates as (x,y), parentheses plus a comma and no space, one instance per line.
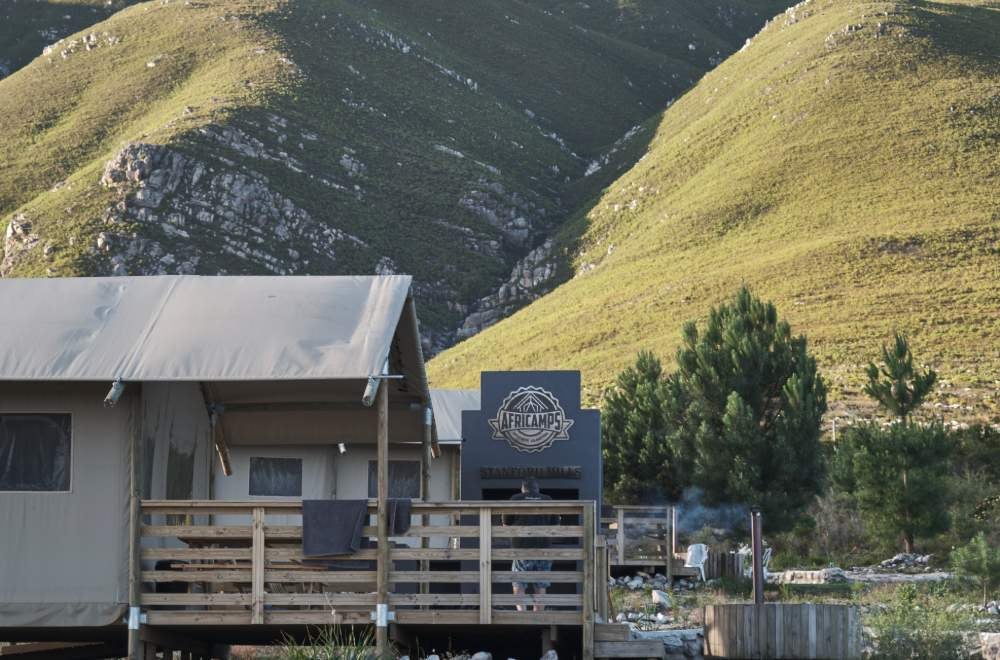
(26,26)
(436,138)
(845,164)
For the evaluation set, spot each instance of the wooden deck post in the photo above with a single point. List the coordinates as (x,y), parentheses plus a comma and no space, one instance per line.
(668,521)
(621,534)
(485,565)
(589,542)
(382,562)
(601,579)
(257,567)
(673,531)
(135,645)
(425,485)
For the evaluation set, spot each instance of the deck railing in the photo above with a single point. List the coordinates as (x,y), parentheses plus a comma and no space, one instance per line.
(639,535)
(241,563)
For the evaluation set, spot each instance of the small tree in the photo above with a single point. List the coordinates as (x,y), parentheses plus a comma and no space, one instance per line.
(900,475)
(979,560)
(745,407)
(637,457)
(896,385)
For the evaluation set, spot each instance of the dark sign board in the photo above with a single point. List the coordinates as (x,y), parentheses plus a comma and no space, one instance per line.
(531,425)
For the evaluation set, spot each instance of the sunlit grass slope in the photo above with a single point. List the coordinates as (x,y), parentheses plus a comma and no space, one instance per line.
(846,164)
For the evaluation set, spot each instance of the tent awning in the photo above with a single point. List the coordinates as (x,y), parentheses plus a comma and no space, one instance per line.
(191,328)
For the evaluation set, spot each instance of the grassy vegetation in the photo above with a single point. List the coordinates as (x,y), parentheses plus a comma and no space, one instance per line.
(928,620)
(27,26)
(844,165)
(434,100)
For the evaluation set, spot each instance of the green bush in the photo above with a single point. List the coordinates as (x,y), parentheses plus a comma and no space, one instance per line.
(914,625)
(979,560)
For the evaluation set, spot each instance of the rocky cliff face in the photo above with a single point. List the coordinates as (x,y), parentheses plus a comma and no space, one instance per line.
(533,276)
(178,214)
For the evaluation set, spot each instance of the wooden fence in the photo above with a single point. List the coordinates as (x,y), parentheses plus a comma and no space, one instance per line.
(782,630)
(639,535)
(241,563)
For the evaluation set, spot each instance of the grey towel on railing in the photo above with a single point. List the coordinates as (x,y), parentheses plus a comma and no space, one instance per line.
(399,515)
(332,527)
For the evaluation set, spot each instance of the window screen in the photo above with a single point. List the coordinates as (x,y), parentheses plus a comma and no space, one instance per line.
(280,477)
(35,452)
(404,479)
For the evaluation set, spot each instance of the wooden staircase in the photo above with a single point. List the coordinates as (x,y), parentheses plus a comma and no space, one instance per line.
(614,640)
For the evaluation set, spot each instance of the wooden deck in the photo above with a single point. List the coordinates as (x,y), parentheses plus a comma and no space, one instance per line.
(240,564)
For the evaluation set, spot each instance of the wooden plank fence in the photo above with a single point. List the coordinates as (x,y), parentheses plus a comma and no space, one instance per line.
(782,630)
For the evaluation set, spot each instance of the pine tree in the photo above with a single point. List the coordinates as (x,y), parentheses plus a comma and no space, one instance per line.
(637,459)
(980,560)
(901,473)
(897,386)
(744,409)
(892,506)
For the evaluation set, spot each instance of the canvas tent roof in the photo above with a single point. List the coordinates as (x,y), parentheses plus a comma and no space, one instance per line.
(191,328)
(448,406)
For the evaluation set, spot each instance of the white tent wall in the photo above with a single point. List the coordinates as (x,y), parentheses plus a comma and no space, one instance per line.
(63,555)
(318,478)
(177,442)
(352,478)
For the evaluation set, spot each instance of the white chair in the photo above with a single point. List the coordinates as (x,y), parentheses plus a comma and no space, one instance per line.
(748,561)
(697,555)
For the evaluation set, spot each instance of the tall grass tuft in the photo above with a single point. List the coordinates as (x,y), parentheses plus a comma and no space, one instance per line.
(332,643)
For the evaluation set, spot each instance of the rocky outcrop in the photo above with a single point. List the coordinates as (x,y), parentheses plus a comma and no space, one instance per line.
(512,213)
(178,214)
(531,277)
(17,241)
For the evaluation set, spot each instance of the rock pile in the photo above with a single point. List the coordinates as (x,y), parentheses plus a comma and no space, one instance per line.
(679,644)
(831,575)
(907,561)
(658,581)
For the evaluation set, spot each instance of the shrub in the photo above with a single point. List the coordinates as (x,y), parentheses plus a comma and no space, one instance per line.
(331,643)
(914,626)
(979,560)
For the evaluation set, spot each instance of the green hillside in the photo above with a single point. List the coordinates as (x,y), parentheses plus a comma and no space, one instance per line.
(435,138)
(27,26)
(846,164)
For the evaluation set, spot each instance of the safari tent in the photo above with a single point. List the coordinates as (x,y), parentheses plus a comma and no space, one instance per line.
(184,388)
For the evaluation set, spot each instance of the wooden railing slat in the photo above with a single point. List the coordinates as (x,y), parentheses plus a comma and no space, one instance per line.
(485,565)
(257,567)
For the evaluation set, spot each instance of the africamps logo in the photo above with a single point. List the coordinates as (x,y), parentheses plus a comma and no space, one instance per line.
(530,419)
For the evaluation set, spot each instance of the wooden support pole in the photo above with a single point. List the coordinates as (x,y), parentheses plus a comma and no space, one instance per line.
(621,534)
(382,564)
(589,543)
(425,484)
(135,645)
(673,530)
(669,520)
(485,565)
(601,579)
(257,567)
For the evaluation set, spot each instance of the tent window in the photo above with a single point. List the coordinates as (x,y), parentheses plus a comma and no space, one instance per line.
(35,451)
(404,479)
(276,477)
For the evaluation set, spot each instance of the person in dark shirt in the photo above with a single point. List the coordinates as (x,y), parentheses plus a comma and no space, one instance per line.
(529,492)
